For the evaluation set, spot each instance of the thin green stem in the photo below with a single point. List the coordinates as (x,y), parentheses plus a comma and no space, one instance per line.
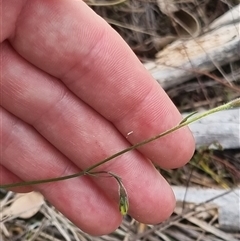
(186,121)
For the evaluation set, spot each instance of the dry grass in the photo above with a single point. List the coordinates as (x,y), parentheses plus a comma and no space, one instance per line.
(146,29)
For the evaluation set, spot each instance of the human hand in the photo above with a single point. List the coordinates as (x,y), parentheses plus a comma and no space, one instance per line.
(71,91)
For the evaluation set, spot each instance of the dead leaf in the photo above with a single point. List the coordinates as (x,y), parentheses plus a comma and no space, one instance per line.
(25,205)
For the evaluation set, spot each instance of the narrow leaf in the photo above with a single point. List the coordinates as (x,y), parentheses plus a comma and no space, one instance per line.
(187,117)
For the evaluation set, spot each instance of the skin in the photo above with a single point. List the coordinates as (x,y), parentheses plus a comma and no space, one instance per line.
(71,91)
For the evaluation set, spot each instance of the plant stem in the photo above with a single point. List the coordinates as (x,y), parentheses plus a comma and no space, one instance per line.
(186,121)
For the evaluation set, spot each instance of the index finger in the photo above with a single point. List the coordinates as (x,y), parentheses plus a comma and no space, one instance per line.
(65,39)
